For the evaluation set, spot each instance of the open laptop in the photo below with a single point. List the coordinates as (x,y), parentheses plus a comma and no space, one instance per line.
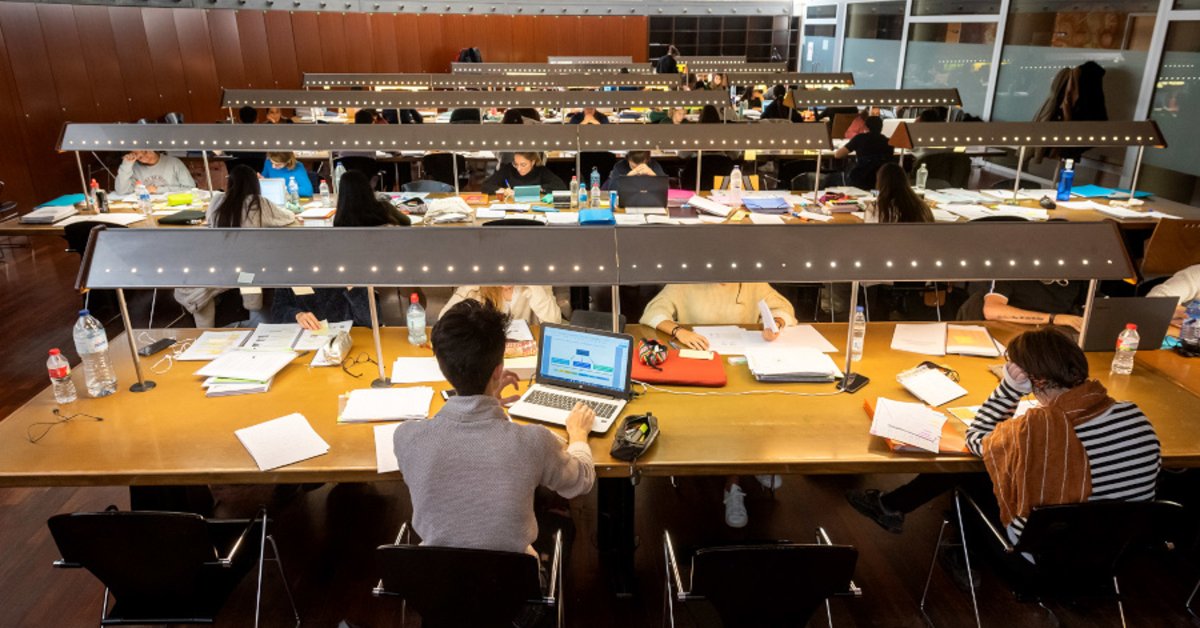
(1152,315)
(578,365)
(643,195)
(274,190)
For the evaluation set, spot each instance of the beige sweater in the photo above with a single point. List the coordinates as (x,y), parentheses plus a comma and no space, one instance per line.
(534,304)
(716,304)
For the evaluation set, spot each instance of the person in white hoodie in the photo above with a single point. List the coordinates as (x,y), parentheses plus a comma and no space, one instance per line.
(161,174)
(1183,285)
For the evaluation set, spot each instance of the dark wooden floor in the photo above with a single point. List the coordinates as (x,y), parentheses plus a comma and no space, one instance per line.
(327,536)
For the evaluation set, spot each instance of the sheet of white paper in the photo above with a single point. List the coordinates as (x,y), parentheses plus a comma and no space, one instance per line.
(273,337)
(724,339)
(283,441)
(562,218)
(710,220)
(807,215)
(1119,212)
(1076,205)
(211,344)
(768,319)
(777,361)
(970,212)
(518,329)
(256,366)
(795,337)
(313,340)
(690,221)
(528,216)
(766,219)
(709,207)
(387,404)
(923,338)
(385,448)
(415,370)
(655,219)
(509,207)
(941,215)
(487,213)
(1158,214)
(630,219)
(932,386)
(112,219)
(909,423)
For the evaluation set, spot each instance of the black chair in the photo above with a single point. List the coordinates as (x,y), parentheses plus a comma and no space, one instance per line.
(601,321)
(767,584)
(438,167)
(1026,184)
(102,303)
(804,181)
(1077,549)
(9,211)
(427,185)
(461,588)
(790,169)
(712,165)
(954,169)
(378,174)
(165,567)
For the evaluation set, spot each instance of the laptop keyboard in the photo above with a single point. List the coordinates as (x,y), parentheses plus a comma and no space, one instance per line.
(567,402)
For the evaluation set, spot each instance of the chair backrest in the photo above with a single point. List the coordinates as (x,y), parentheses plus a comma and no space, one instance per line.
(77,233)
(140,556)
(1074,544)
(596,320)
(709,167)
(771,584)
(953,168)
(437,166)
(459,587)
(1174,245)
(427,185)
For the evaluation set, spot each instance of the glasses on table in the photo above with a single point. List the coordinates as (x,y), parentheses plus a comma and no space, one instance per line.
(353,361)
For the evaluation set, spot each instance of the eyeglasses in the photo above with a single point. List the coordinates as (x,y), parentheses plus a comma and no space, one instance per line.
(352,361)
(37,431)
(947,371)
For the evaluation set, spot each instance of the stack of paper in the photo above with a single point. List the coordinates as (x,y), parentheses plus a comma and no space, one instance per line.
(908,423)
(709,207)
(848,190)
(970,340)
(224,387)
(785,364)
(48,215)
(1118,212)
(317,213)
(211,344)
(930,385)
(248,366)
(273,337)
(970,212)
(766,219)
(923,338)
(941,215)
(124,219)
(416,370)
(283,441)
(387,404)
(807,215)
(630,219)
(563,218)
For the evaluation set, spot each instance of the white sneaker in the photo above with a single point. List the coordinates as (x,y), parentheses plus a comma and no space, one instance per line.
(770,482)
(735,507)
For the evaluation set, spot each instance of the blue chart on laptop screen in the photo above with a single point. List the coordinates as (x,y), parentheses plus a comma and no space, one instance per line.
(584,358)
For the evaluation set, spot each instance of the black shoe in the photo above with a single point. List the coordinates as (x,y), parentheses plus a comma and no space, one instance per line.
(868,503)
(953,560)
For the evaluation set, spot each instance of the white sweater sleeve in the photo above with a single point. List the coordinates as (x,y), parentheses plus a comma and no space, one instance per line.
(1183,285)
(543,304)
(124,181)
(662,307)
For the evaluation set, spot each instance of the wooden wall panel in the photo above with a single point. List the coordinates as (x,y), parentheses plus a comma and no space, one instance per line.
(118,64)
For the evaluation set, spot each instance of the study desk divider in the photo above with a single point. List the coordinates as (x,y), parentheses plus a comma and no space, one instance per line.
(595,256)
(486,81)
(588,67)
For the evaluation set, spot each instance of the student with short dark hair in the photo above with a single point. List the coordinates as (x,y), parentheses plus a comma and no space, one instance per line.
(872,150)
(637,163)
(247,115)
(470,471)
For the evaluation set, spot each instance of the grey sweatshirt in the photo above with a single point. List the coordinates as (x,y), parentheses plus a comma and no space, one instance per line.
(167,176)
(472,474)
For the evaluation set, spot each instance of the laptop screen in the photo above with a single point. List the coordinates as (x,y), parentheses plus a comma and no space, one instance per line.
(274,190)
(576,358)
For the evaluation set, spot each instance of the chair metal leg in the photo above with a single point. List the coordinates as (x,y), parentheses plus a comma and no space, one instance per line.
(962,533)
(104,608)
(1120,606)
(283,577)
(1188,604)
(828,613)
(932,562)
(262,554)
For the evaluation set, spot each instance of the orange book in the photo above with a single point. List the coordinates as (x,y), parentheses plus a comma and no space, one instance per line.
(951,442)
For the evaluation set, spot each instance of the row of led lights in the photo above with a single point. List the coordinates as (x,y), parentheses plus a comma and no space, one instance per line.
(658,266)
(445,143)
(1028,139)
(430,102)
(889,102)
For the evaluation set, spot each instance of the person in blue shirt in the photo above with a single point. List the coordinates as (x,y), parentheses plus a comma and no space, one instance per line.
(285,165)
(637,163)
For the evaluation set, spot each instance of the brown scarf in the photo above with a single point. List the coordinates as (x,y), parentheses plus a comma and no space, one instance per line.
(1037,460)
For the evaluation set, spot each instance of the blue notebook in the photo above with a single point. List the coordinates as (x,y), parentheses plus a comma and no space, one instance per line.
(774,205)
(1098,191)
(66,199)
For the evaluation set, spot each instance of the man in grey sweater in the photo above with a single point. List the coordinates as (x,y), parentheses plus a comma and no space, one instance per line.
(161,174)
(472,472)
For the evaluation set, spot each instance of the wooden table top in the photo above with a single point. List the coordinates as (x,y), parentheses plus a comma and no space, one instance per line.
(174,435)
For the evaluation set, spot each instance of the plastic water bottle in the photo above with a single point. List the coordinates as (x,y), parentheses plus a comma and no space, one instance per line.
(595,181)
(324,190)
(1127,345)
(1189,332)
(574,192)
(60,378)
(143,198)
(94,195)
(293,193)
(859,334)
(338,171)
(583,198)
(922,177)
(1065,179)
(91,343)
(735,182)
(594,200)
(416,321)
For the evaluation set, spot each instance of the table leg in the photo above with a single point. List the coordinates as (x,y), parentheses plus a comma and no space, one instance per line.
(615,533)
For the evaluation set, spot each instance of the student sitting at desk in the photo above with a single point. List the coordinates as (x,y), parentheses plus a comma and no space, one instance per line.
(896,201)
(1111,451)
(1183,285)
(275,116)
(637,163)
(285,166)
(471,472)
(247,115)
(777,110)
(532,304)
(872,150)
(589,115)
(240,205)
(357,206)
(675,116)
(718,304)
(526,169)
(1057,302)
(161,174)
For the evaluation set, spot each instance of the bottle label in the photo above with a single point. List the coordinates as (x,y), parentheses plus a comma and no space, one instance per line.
(61,372)
(93,343)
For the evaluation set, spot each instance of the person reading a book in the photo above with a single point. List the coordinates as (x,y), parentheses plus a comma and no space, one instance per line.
(719,304)
(533,304)
(1110,452)
(471,473)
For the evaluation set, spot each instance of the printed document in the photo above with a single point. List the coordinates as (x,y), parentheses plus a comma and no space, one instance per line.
(909,423)
(283,441)
(387,404)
